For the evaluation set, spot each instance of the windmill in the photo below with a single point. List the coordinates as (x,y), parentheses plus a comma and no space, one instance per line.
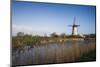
(74,27)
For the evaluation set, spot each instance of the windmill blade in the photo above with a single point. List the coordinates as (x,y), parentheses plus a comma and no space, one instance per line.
(74,20)
(70,25)
(78,25)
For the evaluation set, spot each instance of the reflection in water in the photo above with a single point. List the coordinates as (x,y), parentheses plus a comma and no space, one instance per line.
(52,53)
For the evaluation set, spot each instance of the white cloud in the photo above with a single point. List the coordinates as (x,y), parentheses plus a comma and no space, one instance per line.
(36,30)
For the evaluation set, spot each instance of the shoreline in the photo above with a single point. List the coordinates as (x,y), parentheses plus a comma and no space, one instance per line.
(51,40)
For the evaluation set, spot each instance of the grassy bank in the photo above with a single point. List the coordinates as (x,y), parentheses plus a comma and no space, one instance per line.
(20,41)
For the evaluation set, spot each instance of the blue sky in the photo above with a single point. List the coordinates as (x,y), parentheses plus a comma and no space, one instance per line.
(44,18)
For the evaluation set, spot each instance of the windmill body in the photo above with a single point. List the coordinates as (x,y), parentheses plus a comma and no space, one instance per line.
(74,28)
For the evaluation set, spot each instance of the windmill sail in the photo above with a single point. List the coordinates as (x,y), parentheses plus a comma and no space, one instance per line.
(74,27)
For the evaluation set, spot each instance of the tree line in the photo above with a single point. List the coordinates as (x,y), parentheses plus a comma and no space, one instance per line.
(25,39)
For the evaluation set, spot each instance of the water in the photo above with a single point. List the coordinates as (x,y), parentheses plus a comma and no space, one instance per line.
(69,51)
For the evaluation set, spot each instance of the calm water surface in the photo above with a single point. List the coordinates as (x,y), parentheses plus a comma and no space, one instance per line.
(69,51)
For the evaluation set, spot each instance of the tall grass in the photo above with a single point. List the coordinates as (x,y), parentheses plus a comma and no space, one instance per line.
(52,53)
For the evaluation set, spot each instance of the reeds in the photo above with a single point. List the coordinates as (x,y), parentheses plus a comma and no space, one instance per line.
(52,53)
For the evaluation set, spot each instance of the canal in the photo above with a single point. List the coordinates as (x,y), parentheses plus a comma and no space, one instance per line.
(69,51)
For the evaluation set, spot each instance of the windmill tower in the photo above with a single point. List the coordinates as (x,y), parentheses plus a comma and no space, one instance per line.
(74,27)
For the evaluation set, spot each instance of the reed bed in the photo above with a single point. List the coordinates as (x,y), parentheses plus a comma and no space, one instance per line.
(52,53)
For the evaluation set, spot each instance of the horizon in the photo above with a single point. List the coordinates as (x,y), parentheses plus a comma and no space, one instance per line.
(38,18)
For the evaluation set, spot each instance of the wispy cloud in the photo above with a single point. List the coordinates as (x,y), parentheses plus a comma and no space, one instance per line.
(46,18)
(36,30)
